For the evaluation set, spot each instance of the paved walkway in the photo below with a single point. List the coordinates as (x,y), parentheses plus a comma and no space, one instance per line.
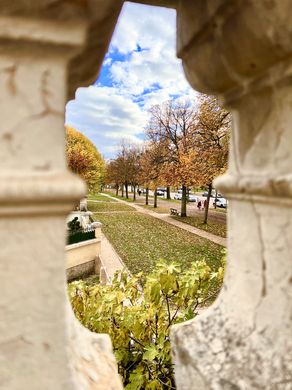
(109,257)
(165,217)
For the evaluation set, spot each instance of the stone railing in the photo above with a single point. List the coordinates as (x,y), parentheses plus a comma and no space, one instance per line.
(238,50)
(82,258)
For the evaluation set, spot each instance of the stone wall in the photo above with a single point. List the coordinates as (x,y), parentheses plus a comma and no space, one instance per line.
(238,50)
(81,258)
(241,52)
(48,48)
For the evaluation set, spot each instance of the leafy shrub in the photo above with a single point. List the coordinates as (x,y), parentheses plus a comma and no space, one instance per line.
(74,238)
(77,234)
(137,312)
(74,225)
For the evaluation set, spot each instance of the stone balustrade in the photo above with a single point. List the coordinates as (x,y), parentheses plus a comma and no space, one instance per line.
(82,258)
(238,50)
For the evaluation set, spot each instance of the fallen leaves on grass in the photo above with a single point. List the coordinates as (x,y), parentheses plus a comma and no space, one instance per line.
(142,240)
(217,228)
(100,197)
(108,206)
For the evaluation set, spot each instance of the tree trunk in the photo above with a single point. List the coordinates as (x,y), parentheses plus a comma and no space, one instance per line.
(147,196)
(127,190)
(134,193)
(167,192)
(207,205)
(122,190)
(155,198)
(216,194)
(183,211)
(117,190)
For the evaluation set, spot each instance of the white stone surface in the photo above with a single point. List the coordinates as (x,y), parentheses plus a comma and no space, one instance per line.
(238,50)
(47,49)
(82,252)
(244,341)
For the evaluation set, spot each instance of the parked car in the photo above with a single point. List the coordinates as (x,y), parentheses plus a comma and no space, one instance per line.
(177,196)
(221,202)
(192,198)
(205,194)
(160,193)
(213,194)
(179,191)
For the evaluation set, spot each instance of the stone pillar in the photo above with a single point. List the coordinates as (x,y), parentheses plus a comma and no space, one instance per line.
(241,51)
(97,227)
(47,49)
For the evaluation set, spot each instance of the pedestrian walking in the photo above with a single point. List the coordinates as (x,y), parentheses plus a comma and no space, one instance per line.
(199,205)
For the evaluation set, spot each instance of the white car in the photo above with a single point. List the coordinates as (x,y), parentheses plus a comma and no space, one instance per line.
(221,202)
(192,198)
(160,193)
(177,196)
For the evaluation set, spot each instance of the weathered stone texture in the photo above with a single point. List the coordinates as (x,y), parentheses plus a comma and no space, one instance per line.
(240,50)
(244,341)
(237,39)
(81,270)
(92,359)
(41,344)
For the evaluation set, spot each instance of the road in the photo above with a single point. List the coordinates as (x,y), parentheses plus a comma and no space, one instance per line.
(216,215)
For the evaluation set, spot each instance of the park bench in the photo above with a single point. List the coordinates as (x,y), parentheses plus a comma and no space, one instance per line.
(174,212)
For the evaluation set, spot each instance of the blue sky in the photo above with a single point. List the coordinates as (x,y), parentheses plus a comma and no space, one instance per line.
(139,70)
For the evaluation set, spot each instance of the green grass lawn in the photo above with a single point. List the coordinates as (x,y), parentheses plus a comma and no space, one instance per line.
(100,197)
(108,206)
(141,240)
(122,198)
(217,228)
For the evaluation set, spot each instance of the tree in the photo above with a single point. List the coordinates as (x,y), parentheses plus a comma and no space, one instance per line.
(211,140)
(125,168)
(133,156)
(84,159)
(137,312)
(122,162)
(146,165)
(113,175)
(151,164)
(171,127)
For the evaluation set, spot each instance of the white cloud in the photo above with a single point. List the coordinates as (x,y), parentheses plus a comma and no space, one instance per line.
(145,77)
(148,26)
(153,29)
(105,116)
